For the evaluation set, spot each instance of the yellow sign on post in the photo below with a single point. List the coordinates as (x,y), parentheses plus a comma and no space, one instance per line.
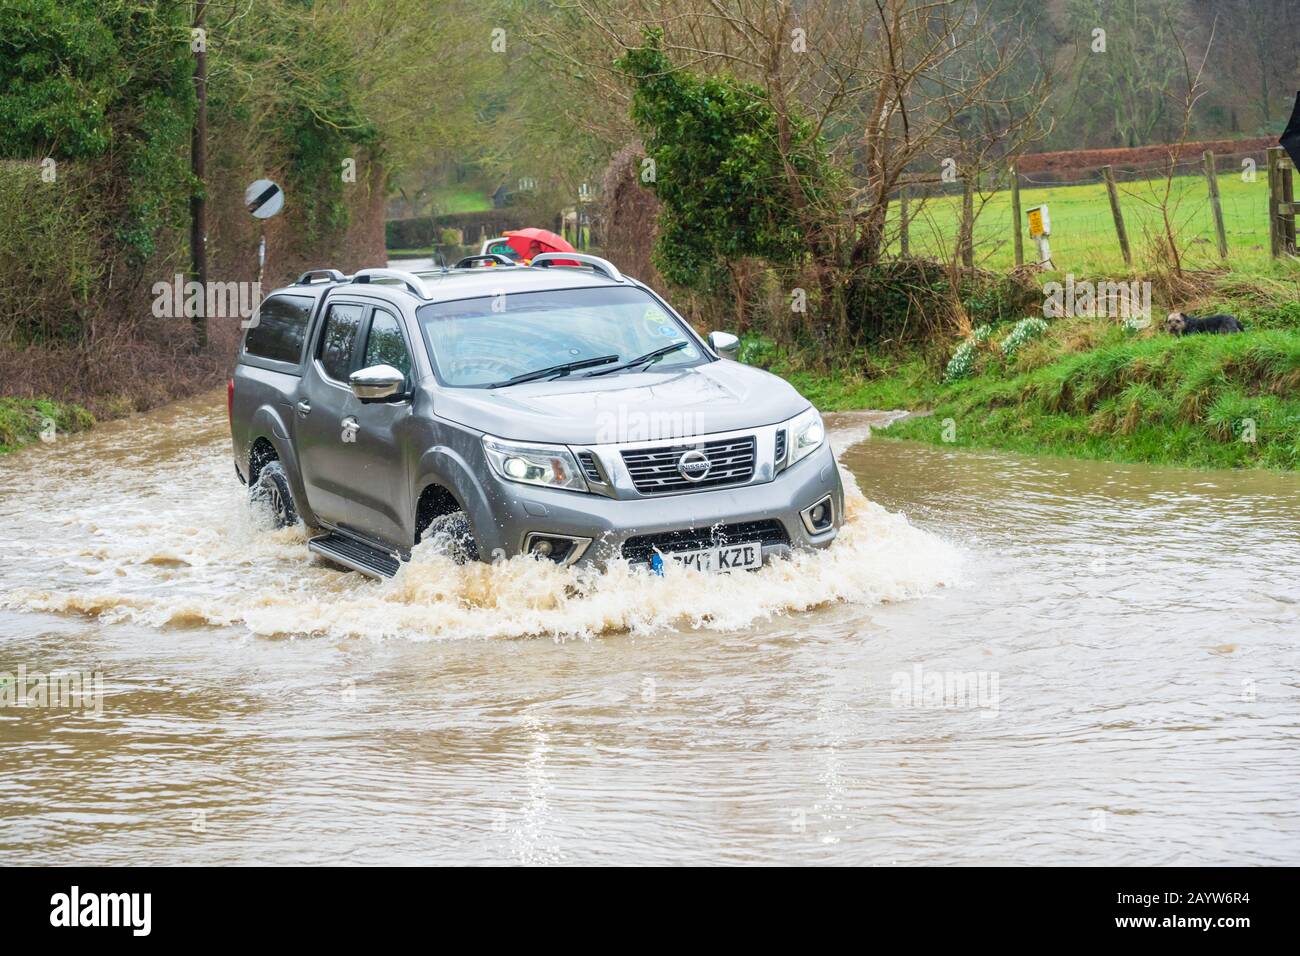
(1040,227)
(1040,223)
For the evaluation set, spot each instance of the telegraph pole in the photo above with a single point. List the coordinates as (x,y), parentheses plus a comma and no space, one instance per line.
(199,167)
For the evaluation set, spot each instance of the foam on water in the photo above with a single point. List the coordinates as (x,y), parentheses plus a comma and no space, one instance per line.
(118,551)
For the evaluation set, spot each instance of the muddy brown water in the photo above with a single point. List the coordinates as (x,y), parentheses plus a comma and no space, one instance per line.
(1004,659)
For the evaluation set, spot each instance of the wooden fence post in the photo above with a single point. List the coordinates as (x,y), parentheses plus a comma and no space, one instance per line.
(1284,168)
(1216,204)
(1274,197)
(1017,228)
(967,237)
(1109,173)
(904,247)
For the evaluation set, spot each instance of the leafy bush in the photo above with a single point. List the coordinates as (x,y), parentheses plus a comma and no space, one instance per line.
(104,89)
(910,300)
(724,189)
(49,256)
(757,350)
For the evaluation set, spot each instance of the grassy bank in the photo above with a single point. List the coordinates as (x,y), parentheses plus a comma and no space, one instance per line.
(25,420)
(1091,388)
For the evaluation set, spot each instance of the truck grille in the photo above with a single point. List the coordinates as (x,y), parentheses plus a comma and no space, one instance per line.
(654,470)
(640,548)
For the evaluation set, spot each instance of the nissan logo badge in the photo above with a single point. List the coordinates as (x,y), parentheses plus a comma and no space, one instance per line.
(694,465)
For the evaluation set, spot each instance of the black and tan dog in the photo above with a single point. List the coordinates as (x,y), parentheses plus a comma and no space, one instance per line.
(1179,324)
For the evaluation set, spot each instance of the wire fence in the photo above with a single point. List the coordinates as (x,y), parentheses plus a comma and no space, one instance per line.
(1154,199)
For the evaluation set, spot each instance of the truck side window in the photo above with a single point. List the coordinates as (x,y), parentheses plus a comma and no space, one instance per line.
(280,329)
(385,345)
(337,339)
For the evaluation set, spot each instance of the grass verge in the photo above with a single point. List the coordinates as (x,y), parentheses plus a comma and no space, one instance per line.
(25,420)
(1090,388)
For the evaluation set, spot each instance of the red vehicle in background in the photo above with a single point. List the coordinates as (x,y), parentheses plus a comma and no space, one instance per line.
(522,245)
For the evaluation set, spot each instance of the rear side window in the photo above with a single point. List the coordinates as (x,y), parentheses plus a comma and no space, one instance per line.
(385,346)
(280,329)
(338,339)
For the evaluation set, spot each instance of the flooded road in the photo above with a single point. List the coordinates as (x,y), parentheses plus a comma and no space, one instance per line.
(1003,659)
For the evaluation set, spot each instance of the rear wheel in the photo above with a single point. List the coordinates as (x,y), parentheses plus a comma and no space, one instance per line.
(271,498)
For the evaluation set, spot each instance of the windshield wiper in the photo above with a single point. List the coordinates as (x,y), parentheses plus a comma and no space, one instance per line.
(563,369)
(654,356)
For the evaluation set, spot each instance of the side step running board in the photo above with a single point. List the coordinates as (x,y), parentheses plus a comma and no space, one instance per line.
(353,554)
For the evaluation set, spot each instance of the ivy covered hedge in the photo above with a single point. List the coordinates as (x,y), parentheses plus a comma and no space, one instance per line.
(96,98)
(726,194)
(97,104)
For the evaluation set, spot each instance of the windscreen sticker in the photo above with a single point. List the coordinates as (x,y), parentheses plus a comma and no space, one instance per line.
(656,323)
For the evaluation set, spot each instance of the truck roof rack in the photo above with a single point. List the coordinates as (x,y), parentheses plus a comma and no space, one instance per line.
(329,275)
(414,284)
(603,266)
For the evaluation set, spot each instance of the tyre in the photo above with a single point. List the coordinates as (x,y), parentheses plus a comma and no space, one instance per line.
(454,537)
(271,498)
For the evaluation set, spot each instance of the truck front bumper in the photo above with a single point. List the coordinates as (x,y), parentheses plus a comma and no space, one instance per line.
(775,512)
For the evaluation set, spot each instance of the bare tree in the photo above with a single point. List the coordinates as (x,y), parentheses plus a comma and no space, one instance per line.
(893,87)
(1160,194)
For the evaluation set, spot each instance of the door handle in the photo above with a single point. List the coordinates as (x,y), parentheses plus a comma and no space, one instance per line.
(304,407)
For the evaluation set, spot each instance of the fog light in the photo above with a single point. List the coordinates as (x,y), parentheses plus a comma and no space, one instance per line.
(819,516)
(560,548)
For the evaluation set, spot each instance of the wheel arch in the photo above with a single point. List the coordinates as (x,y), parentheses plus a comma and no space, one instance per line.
(442,478)
(260,452)
(434,500)
(267,446)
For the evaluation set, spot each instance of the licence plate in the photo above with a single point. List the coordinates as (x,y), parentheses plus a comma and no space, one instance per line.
(727,557)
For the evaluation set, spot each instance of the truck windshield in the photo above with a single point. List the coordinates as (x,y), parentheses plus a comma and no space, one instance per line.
(475,343)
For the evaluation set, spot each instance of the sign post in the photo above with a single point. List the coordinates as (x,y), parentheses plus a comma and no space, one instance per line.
(264,199)
(1040,229)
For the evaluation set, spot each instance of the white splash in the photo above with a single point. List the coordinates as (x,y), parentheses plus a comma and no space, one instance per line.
(118,551)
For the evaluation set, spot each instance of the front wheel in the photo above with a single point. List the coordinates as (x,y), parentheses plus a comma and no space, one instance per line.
(453,537)
(271,498)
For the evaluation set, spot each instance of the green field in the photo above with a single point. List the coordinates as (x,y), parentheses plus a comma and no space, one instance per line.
(1083,233)
(452,199)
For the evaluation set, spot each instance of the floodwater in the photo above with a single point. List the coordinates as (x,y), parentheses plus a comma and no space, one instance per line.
(1003,660)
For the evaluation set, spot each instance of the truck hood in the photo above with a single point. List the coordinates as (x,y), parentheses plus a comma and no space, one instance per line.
(626,406)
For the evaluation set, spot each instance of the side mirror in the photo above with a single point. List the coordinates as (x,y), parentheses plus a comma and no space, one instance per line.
(377,383)
(725,344)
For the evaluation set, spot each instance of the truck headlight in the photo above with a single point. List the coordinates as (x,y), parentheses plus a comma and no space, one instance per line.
(551,466)
(806,435)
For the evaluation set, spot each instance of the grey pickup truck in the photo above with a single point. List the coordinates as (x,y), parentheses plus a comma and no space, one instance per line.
(559,410)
